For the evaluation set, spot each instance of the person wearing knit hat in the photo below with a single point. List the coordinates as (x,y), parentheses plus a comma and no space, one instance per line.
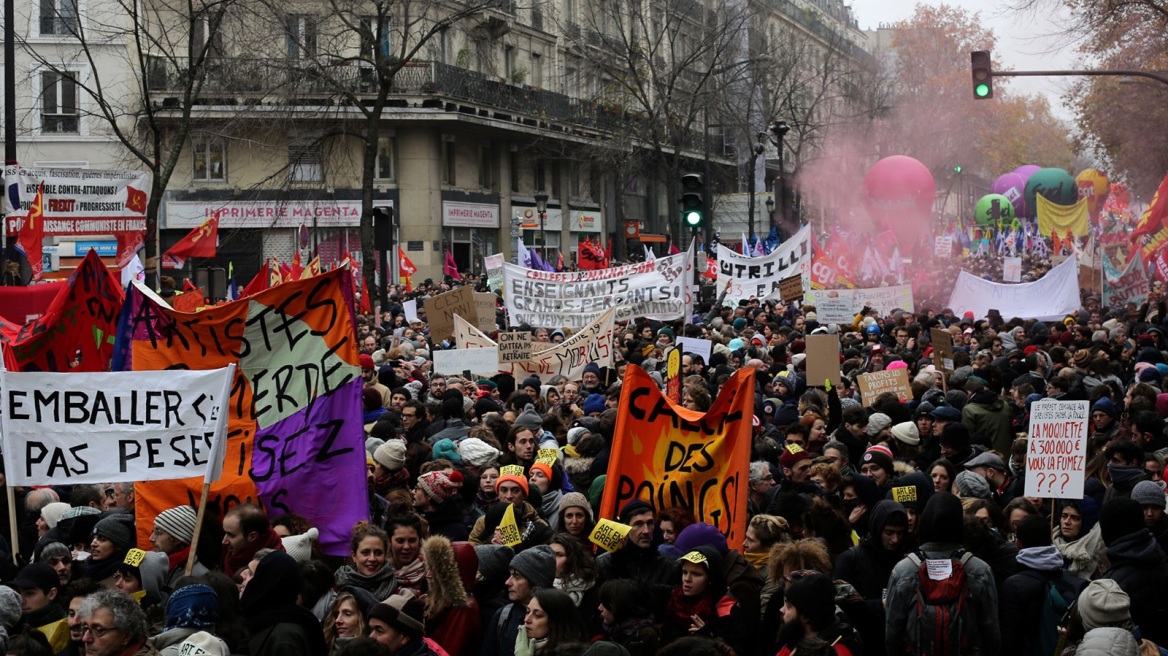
(971,485)
(174,529)
(796,465)
(399,624)
(1151,498)
(391,456)
(593,405)
(1104,416)
(59,557)
(532,568)
(1137,565)
(576,517)
(529,419)
(811,599)
(876,464)
(1104,603)
(112,537)
(907,434)
(435,498)
(300,546)
(141,576)
(590,380)
(512,488)
(878,427)
(532,385)
(40,590)
(477,453)
(189,610)
(369,377)
(49,517)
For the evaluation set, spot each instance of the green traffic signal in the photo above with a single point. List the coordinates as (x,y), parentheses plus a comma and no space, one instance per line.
(957,169)
(982,90)
(693,218)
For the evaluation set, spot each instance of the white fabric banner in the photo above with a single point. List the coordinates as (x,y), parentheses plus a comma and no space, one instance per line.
(575,299)
(78,201)
(758,277)
(593,343)
(64,429)
(1053,296)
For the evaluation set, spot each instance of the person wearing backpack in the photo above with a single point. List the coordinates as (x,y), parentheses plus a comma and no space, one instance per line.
(942,600)
(1042,590)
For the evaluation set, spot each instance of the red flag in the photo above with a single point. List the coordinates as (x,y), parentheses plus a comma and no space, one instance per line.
(189,286)
(450,268)
(296,270)
(32,234)
(404,264)
(200,242)
(136,200)
(1156,216)
(259,283)
(590,257)
(129,243)
(711,271)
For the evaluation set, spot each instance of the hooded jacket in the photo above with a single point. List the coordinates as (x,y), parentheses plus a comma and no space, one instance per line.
(987,413)
(941,531)
(1024,595)
(458,629)
(867,567)
(278,625)
(1137,565)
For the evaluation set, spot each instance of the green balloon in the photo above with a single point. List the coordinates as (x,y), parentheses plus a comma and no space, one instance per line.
(983,212)
(1056,185)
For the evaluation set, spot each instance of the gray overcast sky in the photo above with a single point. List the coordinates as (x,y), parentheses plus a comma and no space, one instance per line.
(1024,41)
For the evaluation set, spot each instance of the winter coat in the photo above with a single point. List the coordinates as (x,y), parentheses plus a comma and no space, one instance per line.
(654,569)
(458,629)
(446,520)
(867,567)
(1137,565)
(987,413)
(1023,596)
(745,583)
(454,429)
(1087,556)
(539,533)
(501,631)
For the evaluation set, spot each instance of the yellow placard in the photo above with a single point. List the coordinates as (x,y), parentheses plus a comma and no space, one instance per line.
(904,494)
(134,557)
(57,634)
(794,448)
(508,528)
(695,557)
(548,456)
(512,470)
(608,534)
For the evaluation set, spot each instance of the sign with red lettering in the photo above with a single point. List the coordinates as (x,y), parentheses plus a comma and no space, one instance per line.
(78,201)
(1056,452)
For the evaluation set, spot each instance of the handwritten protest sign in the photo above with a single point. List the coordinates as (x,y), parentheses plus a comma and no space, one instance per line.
(791,288)
(493,265)
(1130,286)
(878,382)
(1012,269)
(593,343)
(76,332)
(480,361)
(942,348)
(410,308)
(1056,451)
(842,305)
(295,412)
(831,305)
(608,534)
(108,427)
(746,277)
(658,289)
(669,456)
(440,310)
(485,311)
(943,247)
(514,346)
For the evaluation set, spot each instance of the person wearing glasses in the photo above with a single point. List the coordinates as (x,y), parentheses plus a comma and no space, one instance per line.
(112,624)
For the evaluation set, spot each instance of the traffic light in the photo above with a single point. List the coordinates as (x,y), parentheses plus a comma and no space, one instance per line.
(693,200)
(957,169)
(983,74)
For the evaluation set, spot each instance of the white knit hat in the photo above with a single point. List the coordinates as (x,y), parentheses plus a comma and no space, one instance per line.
(52,512)
(201,643)
(477,453)
(300,546)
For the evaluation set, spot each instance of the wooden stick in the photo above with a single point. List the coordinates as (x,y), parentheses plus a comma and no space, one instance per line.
(198,528)
(13,533)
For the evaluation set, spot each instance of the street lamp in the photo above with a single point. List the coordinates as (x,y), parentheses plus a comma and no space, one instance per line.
(770,205)
(541,199)
(777,131)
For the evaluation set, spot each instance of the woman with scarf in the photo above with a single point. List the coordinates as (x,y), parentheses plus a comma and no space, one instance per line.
(762,533)
(575,571)
(485,497)
(700,605)
(344,623)
(1079,538)
(626,619)
(113,537)
(575,519)
(548,479)
(405,552)
(278,625)
(370,569)
(452,614)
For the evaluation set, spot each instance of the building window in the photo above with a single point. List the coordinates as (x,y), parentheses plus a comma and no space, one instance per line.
(509,63)
(210,155)
(515,170)
(449,159)
(540,175)
(485,166)
(306,159)
(58,17)
(555,179)
(205,37)
(301,37)
(375,38)
(536,70)
(385,154)
(59,111)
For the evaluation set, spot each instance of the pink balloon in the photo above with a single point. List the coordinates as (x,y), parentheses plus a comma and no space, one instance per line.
(899,192)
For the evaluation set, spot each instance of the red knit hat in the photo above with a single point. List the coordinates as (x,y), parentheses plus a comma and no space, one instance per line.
(440,486)
(792,454)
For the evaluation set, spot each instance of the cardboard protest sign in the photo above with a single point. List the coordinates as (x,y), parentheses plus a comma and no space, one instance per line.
(608,534)
(493,265)
(761,277)
(942,348)
(823,359)
(658,289)
(485,311)
(76,332)
(831,306)
(593,343)
(514,346)
(479,361)
(108,427)
(842,305)
(440,310)
(878,382)
(669,456)
(943,246)
(1056,451)
(791,289)
(294,436)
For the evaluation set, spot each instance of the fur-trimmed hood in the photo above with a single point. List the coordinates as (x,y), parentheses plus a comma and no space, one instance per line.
(446,580)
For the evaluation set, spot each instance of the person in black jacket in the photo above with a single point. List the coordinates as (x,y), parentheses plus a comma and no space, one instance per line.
(1151,498)
(1023,595)
(639,559)
(1137,565)
(868,565)
(278,625)
(435,498)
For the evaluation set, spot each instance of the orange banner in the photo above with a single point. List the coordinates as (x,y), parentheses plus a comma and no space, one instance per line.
(669,456)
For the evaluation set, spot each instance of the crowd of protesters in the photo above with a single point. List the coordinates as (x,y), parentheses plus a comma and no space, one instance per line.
(876,526)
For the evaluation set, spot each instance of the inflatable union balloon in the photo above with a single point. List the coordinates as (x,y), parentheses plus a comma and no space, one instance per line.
(899,192)
(1027,170)
(993,211)
(1056,185)
(1013,187)
(1094,186)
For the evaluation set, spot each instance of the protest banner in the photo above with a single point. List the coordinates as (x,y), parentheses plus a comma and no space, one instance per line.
(842,305)
(493,265)
(942,348)
(1051,297)
(440,311)
(608,534)
(761,277)
(514,346)
(943,247)
(108,427)
(791,289)
(1056,451)
(594,343)
(696,346)
(876,383)
(1130,286)
(574,299)
(1012,269)
(294,436)
(479,361)
(76,332)
(823,359)
(78,201)
(831,306)
(19,305)
(669,456)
